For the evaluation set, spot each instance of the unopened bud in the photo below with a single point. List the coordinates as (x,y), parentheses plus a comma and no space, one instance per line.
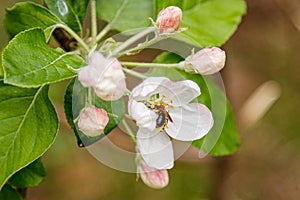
(154,178)
(92,121)
(169,19)
(206,61)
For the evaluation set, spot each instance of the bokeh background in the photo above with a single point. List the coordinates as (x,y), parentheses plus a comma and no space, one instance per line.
(266,47)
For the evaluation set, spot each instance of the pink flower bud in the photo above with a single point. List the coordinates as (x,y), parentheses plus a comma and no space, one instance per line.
(169,19)
(92,121)
(154,178)
(105,75)
(206,61)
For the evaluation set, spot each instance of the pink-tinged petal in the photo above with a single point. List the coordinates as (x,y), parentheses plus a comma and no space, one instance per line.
(97,60)
(143,116)
(206,61)
(155,148)
(87,76)
(120,90)
(169,19)
(110,84)
(92,121)
(154,178)
(190,122)
(148,87)
(180,93)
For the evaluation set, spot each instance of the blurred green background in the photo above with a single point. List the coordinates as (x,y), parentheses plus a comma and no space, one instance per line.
(267,166)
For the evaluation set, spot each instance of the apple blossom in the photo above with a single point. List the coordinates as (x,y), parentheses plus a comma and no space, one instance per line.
(154,178)
(92,121)
(206,61)
(105,75)
(169,19)
(163,109)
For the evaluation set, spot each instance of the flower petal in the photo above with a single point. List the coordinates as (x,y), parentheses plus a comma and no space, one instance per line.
(144,117)
(180,93)
(155,148)
(190,122)
(147,88)
(96,60)
(154,178)
(87,76)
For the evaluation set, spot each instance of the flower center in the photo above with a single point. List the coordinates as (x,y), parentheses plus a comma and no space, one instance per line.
(160,107)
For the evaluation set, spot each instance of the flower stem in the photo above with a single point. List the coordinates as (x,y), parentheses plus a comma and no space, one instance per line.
(141,64)
(134,73)
(128,116)
(139,47)
(132,40)
(93,22)
(127,92)
(74,35)
(89,97)
(104,31)
(108,26)
(128,130)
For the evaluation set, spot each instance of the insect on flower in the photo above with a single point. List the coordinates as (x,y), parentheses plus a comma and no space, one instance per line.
(163,116)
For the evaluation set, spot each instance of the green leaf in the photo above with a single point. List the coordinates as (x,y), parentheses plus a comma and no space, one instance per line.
(223,138)
(1,68)
(71,12)
(183,4)
(29,62)
(30,176)
(9,193)
(75,102)
(125,14)
(209,22)
(79,7)
(28,124)
(26,15)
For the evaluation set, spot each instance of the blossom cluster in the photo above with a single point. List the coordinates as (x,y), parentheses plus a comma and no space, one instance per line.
(162,109)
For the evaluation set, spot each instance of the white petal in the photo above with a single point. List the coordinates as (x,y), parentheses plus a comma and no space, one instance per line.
(147,88)
(155,148)
(190,122)
(180,93)
(96,60)
(87,76)
(144,117)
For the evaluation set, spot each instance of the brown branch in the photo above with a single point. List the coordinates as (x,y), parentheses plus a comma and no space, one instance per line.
(65,40)
(22,192)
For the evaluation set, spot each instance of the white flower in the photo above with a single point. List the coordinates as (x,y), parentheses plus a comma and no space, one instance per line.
(105,75)
(92,121)
(169,19)
(154,178)
(206,61)
(163,108)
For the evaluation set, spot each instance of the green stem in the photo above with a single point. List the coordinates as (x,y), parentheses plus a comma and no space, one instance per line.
(128,116)
(128,130)
(139,47)
(132,40)
(127,92)
(104,31)
(89,97)
(74,35)
(134,73)
(107,28)
(94,22)
(157,38)
(141,64)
